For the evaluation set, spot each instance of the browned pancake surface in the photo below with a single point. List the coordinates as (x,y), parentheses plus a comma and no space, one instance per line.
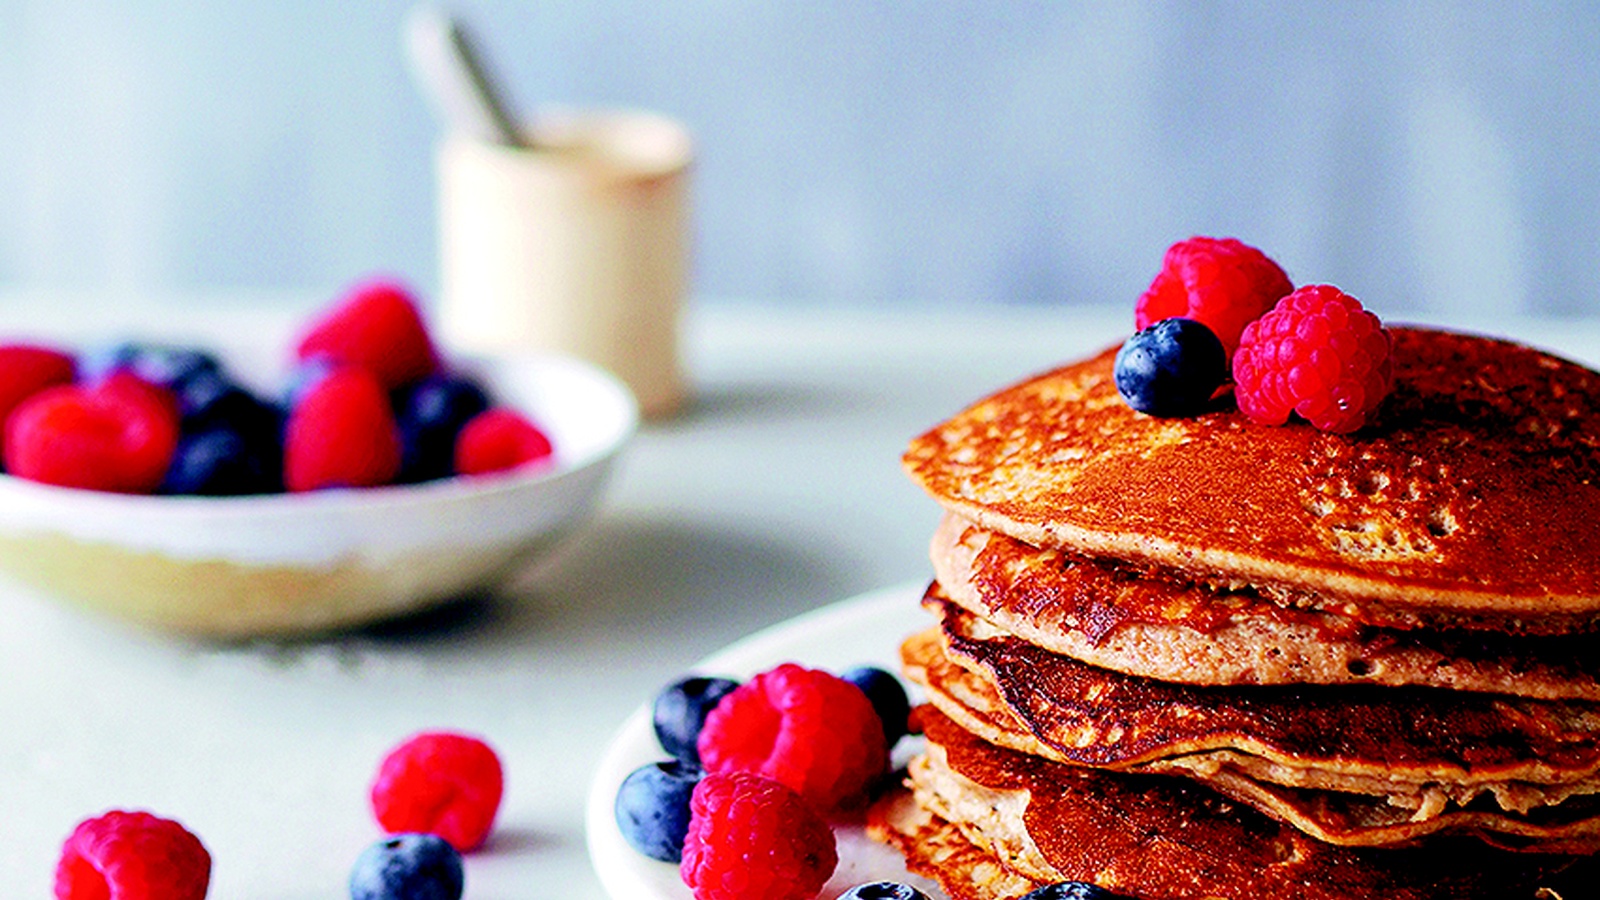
(1155,626)
(1361,809)
(935,848)
(1471,495)
(1102,718)
(1164,839)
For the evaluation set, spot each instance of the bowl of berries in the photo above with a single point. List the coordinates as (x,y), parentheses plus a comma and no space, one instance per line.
(173,486)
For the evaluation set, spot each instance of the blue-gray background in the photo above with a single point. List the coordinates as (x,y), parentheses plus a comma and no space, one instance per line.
(1423,155)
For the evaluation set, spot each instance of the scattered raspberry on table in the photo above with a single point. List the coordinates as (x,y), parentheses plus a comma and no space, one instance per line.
(132,856)
(440,783)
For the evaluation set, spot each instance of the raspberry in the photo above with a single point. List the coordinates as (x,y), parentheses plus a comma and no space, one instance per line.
(116,436)
(26,370)
(440,783)
(1219,282)
(1317,353)
(804,728)
(132,856)
(124,384)
(376,326)
(754,839)
(499,439)
(342,434)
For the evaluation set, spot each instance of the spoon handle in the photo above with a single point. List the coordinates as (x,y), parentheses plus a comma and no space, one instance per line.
(446,64)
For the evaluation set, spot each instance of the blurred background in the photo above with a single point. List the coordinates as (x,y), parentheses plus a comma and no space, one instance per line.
(1423,155)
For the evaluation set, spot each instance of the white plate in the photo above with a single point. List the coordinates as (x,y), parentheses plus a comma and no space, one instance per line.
(866,630)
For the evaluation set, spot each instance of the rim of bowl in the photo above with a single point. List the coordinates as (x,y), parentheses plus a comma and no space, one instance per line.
(621,412)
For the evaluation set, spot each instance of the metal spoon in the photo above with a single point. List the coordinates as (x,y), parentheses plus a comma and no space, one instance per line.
(451,73)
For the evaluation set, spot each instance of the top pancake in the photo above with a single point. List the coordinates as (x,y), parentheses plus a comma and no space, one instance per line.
(1470,499)
(1099,612)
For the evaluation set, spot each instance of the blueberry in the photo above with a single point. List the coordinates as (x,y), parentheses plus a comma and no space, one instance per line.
(1071,890)
(219,461)
(430,413)
(652,808)
(679,712)
(888,697)
(407,867)
(211,398)
(1171,368)
(883,890)
(165,365)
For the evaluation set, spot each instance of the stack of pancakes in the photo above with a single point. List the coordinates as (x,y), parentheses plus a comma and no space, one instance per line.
(1202,658)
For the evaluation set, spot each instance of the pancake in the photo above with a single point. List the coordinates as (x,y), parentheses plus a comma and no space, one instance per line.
(1469,500)
(1416,735)
(1138,623)
(1325,809)
(937,849)
(1155,838)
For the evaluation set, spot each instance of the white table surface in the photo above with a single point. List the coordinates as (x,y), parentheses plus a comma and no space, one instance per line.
(778,492)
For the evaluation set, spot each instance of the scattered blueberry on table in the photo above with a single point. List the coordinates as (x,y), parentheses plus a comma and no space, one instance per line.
(132,853)
(408,867)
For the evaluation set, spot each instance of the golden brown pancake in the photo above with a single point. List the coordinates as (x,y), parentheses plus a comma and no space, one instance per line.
(1156,838)
(1468,500)
(1320,804)
(937,849)
(1144,624)
(1419,735)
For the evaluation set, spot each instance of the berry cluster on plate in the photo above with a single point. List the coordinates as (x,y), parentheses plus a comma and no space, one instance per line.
(1221,312)
(435,796)
(757,773)
(369,401)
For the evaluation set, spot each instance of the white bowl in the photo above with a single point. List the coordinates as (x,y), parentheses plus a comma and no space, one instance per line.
(284,564)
